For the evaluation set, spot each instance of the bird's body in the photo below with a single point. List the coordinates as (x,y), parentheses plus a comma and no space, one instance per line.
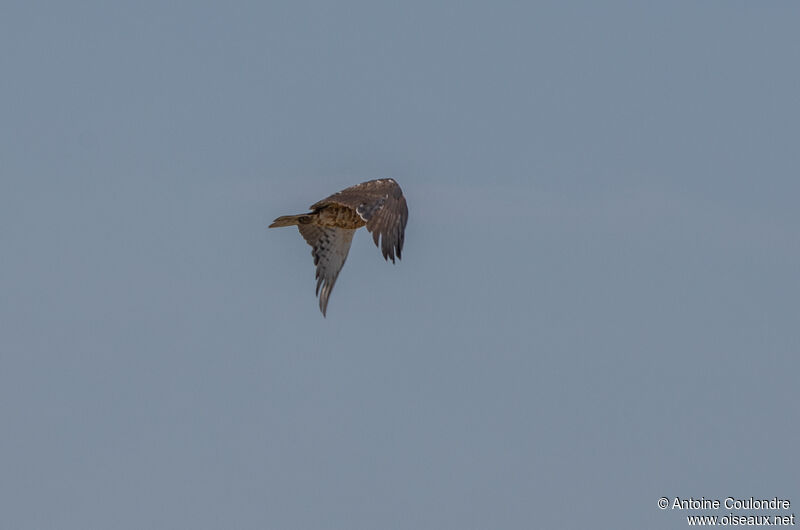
(329,227)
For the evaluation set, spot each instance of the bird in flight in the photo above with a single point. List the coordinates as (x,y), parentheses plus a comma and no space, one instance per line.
(329,227)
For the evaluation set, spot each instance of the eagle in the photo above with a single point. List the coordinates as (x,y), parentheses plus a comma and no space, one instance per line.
(329,227)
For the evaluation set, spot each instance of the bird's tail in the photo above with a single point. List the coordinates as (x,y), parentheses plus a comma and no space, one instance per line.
(290,220)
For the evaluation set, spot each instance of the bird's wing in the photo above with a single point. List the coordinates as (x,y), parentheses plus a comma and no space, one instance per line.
(329,247)
(380,203)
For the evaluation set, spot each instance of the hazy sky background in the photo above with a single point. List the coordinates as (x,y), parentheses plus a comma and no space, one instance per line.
(598,302)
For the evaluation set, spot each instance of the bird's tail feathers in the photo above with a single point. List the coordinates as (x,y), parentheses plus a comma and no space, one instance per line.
(290,220)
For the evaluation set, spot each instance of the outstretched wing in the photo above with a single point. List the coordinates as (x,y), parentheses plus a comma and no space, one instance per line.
(380,203)
(329,246)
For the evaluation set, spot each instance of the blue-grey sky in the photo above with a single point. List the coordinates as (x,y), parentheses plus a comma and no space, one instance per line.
(597,304)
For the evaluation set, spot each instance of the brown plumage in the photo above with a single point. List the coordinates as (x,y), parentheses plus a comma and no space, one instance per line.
(329,227)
